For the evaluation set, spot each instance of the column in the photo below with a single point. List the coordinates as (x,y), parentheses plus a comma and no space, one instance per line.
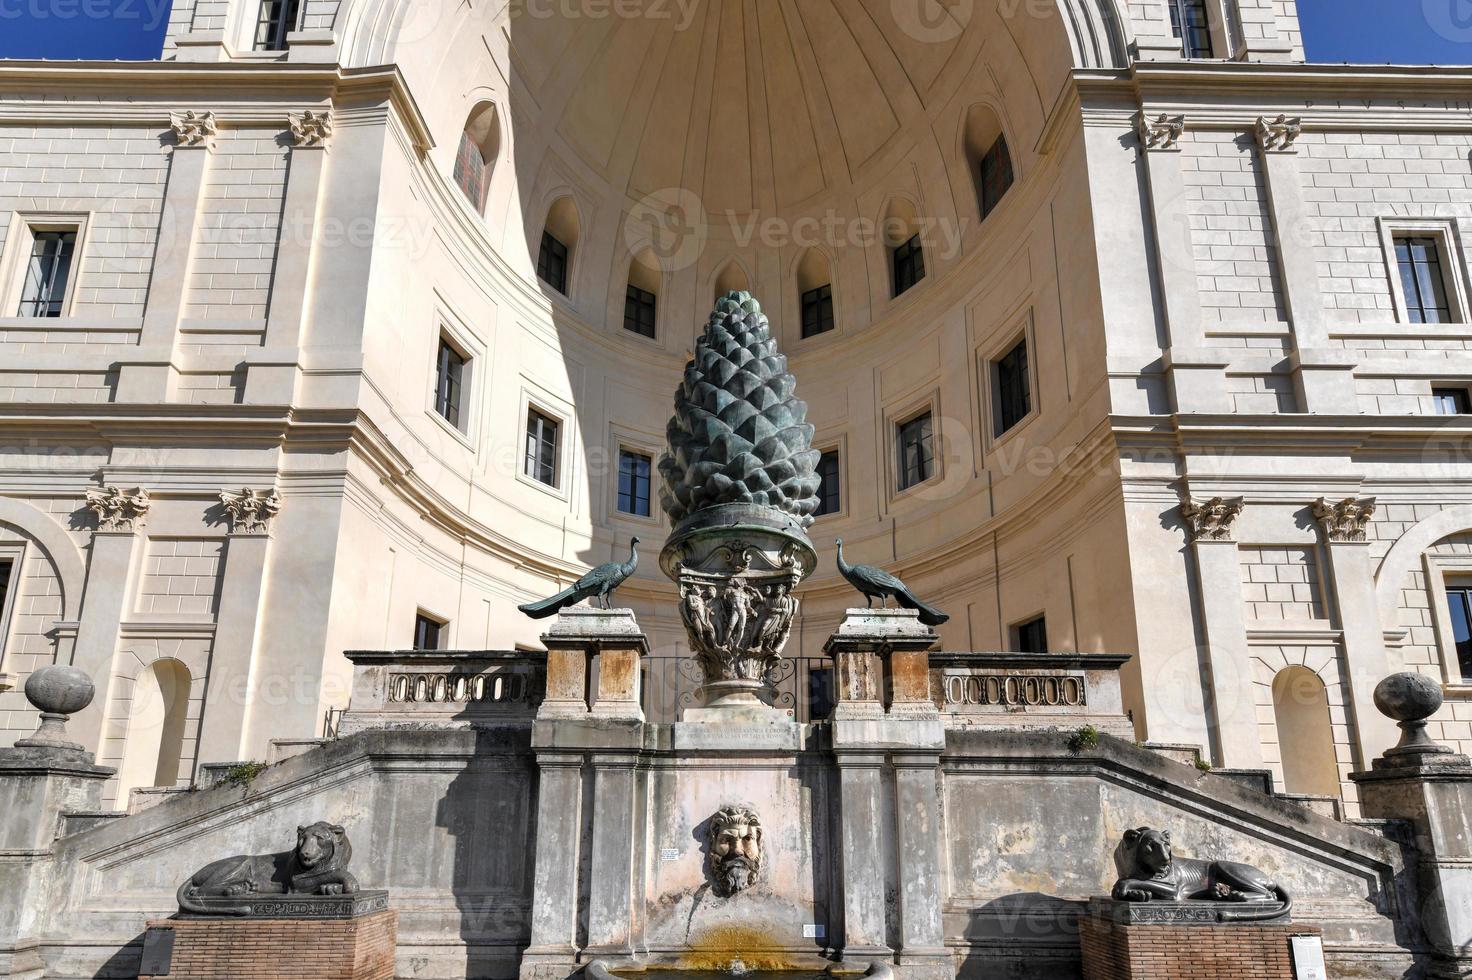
(271,373)
(611,884)
(860,782)
(917,821)
(230,684)
(1197,374)
(1232,709)
(1367,661)
(554,908)
(1324,376)
(120,515)
(146,376)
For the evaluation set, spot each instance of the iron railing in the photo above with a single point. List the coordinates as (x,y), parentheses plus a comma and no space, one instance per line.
(802,686)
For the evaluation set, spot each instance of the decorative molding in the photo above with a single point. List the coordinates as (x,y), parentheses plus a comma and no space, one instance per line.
(118,510)
(1214,520)
(250,511)
(1346,520)
(194,130)
(310,129)
(1162,133)
(1278,134)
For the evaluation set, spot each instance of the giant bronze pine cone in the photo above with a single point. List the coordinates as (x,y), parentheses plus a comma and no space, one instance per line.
(738,435)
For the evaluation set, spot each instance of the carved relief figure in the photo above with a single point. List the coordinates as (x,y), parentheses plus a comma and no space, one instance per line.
(1149,871)
(735,849)
(316,866)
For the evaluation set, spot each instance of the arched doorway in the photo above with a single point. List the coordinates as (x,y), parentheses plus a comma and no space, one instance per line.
(154,743)
(1305,735)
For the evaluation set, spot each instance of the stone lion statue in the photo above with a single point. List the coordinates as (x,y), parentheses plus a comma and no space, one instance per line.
(316,866)
(735,849)
(1150,871)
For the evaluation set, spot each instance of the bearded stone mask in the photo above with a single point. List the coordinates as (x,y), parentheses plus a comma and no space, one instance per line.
(735,849)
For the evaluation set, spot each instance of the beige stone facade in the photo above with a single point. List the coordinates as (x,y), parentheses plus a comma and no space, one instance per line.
(1200,256)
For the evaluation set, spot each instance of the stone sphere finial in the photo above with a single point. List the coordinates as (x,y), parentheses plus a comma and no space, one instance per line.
(57,691)
(1410,698)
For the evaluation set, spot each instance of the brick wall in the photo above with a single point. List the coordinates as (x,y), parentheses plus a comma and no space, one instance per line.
(283,949)
(1239,951)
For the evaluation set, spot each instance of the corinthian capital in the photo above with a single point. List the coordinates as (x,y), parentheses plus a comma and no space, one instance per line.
(116,509)
(310,129)
(194,129)
(1346,520)
(1214,520)
(250,511)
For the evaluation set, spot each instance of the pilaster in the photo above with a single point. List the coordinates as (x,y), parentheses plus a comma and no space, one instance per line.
(917,824)
(271,375)
(1352,577)
(554,910)
(612,881)
(1232,709)
(1323,376)
(148,375)
(1197,374)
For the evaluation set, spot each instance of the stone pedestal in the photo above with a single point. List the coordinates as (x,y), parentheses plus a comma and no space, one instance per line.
(353,948)
(582,639)
(881,658)
(1174,940)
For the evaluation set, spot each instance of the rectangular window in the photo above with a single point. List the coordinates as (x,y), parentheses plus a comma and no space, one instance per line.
(1423,279)
(277,18)
(633,483)
(1013,398)
(449,383)
(427,632)
(1452,401)
(817,311)
(830,500)
(552,263)
(996,176)
(541,448)
(1459,598)
(639,308)
(7,570)
(916,452)
(909,264)
(1188,22)
(48,272)
(1031,636)
(470,171)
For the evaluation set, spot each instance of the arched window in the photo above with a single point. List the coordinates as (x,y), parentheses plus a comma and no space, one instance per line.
(641,296)
(154,743)
(815,293)
(559,242)
(901,236)
(1305,736)
(732,279)
(476,157)
(987,158)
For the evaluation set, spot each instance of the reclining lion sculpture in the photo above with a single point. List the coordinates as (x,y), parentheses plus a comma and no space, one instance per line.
(316,866)
(1150,871)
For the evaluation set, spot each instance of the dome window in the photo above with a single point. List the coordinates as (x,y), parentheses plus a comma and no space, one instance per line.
(815,294)
(988,158)
(641,297)
(476,156)
(558,248)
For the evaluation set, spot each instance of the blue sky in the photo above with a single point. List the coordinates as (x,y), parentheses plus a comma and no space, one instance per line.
(1359,31)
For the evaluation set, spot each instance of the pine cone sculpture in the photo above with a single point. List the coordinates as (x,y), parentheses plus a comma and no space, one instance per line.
(739,435)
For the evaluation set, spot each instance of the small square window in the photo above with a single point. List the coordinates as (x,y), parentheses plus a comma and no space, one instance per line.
(830,500)
(552,263)
(1452,401)
(276,19)
(1459,601)
(817,311)
(48,273)
(1188,22)
(1012,388)
(428,632)
(1422,263)
(909,264)
(1031,636)
(633,483)
(639,310)
(996,176)
(541,448)
(916,451)
(449,389)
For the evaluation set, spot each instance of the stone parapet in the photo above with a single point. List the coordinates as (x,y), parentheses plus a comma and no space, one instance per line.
(1030,690)
(442,688)
(880,659)
(604,645)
